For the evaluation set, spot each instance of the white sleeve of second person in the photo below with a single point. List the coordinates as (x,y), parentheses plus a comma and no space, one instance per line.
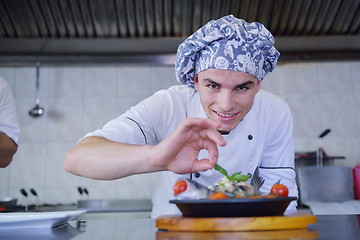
(9,122)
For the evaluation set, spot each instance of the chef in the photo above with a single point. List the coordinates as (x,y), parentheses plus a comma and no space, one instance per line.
(9,125)
(218,115)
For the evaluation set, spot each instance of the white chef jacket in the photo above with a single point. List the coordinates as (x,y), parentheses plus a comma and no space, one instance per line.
(263,138)
(9,122)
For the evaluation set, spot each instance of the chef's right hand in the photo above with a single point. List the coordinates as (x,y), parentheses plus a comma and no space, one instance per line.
(179,152)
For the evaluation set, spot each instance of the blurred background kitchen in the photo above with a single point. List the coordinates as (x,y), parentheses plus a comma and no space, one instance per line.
(98,58)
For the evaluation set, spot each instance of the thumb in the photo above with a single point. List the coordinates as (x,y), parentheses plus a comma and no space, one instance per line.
(202,165)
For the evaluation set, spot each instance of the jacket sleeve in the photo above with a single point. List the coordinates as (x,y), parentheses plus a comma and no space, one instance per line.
(278,157)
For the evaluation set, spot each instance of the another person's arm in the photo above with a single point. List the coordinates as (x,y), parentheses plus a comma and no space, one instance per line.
(99,158)
(9,125)
(7,149)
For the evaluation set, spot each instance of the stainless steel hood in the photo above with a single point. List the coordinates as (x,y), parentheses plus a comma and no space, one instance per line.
(150,30)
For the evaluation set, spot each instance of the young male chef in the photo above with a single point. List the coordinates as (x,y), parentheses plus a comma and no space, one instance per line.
(218,115)
(9,125)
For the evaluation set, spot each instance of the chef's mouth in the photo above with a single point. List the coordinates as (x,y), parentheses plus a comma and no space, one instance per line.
(226,115)
(223,132)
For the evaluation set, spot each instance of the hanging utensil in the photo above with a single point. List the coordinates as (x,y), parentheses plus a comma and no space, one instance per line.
(37,111)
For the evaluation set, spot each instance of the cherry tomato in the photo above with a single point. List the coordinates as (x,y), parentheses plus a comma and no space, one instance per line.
(218,195)
(180,186)
(280,190)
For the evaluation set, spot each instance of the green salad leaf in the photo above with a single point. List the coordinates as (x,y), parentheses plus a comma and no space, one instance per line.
(234,177)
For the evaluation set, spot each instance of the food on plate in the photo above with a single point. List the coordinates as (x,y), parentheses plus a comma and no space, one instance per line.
(234,188)
(218,195)
(234,177)
(189,189)
(279,190)
(230,186)
(180,186)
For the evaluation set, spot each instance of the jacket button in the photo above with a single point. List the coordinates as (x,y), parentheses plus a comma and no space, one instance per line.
(250,137)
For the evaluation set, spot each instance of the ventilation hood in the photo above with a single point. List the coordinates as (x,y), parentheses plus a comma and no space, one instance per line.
(150,30)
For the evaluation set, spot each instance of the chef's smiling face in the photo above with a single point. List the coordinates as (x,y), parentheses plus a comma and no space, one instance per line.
(226,96)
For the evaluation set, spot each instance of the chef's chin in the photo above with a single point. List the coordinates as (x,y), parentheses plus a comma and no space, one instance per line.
(228,127)
(225,129)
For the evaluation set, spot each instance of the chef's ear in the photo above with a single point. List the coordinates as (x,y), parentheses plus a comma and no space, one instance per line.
(196,82)
(258,85)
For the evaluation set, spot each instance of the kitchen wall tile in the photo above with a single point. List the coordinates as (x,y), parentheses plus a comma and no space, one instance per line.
(306,144)
(31,129)
(134,82)
(4,180)
(162,78)
(66,82)
(60,195)
(64,118)
(28,166)
(335,77)
(306,114)
(99,189)
(56,176)
(356,109)
(99,81)
(337,113)
(137,186)
(355,75)
(9,74)
(299,78)
(97,112)
(26,79)
(274,82)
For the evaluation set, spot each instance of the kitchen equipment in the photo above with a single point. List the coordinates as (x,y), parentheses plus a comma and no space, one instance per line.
(115,205)
(36,220)
(86,192)
(37,111)
(179,223)
(7,203)
(243,207)
(24,193)
(322,188)
(320,151)
(34,193)
(356,178)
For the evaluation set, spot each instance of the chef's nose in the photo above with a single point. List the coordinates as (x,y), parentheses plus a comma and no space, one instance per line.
(226,101)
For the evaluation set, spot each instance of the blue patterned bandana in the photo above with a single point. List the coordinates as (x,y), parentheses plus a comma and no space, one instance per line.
(228,43)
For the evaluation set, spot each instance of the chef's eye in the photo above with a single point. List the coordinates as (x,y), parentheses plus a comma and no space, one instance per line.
(243,87)
(213,86)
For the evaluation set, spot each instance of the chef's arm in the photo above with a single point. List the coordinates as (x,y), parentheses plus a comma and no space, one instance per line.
(7,150)
(99,158)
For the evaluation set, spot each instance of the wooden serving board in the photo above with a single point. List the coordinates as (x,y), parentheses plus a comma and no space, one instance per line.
(301,233)
(179,223)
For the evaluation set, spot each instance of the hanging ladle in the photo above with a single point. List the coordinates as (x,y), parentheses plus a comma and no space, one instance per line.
(37,111)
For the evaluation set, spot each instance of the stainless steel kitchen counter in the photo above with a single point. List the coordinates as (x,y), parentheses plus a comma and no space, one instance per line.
(136,226)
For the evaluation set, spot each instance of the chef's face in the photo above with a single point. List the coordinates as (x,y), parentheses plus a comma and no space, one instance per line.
(226,96)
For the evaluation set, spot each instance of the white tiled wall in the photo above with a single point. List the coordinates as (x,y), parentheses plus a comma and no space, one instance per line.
(78,99)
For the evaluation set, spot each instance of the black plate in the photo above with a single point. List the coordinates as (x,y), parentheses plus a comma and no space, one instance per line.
(233,207)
